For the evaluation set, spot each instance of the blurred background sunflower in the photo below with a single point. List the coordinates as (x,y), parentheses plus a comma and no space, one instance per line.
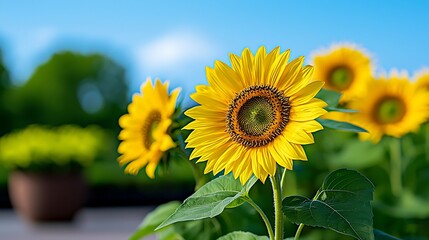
(344,68)
(422,79)
(392,107)
(147,128)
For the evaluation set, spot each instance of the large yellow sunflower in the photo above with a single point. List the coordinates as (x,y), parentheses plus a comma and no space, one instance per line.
(391,107)
(254,115)
(145,128)
(344,68)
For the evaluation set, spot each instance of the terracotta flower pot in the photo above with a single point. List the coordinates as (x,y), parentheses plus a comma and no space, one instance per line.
(47,196)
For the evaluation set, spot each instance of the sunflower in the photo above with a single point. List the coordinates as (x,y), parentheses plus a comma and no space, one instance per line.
(392,108)
(254,115)
(344,68)
(422,79)
(145,135)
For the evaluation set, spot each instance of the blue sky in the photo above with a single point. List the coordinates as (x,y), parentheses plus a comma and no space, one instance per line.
(176,40)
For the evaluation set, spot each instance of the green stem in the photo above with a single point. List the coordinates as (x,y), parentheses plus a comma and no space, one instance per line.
(298,231)
(283,183)
(199,178)
(301,225)
(263,215)
(427,141)
(395,167)
(277,195)
(198,175)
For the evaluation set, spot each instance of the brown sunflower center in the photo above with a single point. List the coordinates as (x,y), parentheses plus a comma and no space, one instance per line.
(257,115)
(389,110)
(340,78)
(150,124)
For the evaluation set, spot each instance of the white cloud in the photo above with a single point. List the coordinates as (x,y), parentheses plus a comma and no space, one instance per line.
(173,51)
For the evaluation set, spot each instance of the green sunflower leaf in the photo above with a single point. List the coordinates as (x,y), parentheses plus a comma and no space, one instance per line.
(342,204)
(345,126)
(153,219)
(344,110)
(239,235)
(380,235)
(330,97)
(208,228)
(350,155)
(211,199)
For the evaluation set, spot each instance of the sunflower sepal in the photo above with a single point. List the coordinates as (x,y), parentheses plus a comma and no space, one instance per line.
(339,125)
(211,200)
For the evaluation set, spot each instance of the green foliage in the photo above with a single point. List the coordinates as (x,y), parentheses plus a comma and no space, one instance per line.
(42,148)
(405,215)
(350,155)
(153,219)
(245,217)
(5,84)
(380,235)
(341,204)
(242,236)
(211,199)
(4,74)
(72,88)
(207,228)
(344,126)
(202,229)
(408,205)
(178,175)
(330,97)
(344,110)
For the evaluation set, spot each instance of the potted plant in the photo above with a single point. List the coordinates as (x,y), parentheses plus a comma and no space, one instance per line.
(46,181)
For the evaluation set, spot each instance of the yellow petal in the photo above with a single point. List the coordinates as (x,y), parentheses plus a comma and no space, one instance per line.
(290,73)
(307,93)
(166,143)
(269,59)
(218,85)
(307,115)
(278,68)
(270,163)
(259,65)
(309,106)
(229,77)
(150,169)
(294,133)
(302,80)
(199,112)
(213,101)
(247,68)
(288,149)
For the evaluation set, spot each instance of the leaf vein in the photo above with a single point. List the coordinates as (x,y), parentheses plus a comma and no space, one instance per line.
(345,219)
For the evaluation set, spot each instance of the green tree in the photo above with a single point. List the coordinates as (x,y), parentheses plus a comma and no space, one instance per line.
(5,84)
(72,88)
